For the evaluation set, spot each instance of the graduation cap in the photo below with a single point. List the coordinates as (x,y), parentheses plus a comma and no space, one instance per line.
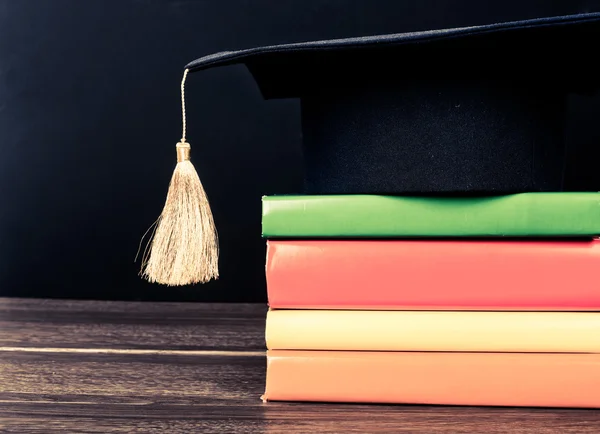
(473,110)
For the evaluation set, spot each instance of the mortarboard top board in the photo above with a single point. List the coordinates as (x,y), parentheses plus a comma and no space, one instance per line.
(468,111)
(475,110)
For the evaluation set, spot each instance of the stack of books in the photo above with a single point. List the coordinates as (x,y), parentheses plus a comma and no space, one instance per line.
(430,300)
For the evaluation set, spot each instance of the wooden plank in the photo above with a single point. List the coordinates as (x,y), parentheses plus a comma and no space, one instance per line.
(135,379)
(285,419)
(104,367)
(109,324)
(116,393)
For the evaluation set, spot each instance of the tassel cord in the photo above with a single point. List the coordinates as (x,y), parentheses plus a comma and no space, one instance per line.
(183,118)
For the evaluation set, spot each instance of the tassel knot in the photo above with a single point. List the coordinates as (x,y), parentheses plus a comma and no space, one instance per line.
(183,151)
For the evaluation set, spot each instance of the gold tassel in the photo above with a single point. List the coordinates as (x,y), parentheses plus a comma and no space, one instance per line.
(184,248)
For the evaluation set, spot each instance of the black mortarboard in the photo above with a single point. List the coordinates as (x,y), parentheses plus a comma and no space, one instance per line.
(477,109)
(474,110)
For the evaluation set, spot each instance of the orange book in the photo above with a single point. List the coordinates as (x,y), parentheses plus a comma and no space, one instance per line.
(494,379)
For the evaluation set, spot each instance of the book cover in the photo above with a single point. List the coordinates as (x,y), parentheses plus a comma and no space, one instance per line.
(434,274)
(495,379)
(361,330)
(372,216)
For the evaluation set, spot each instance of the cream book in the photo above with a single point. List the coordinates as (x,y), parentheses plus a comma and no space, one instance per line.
(550,332)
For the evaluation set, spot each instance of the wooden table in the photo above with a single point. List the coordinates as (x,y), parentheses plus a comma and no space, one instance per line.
(103,367)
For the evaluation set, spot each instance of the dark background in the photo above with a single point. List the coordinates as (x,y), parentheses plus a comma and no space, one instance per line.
(90,114)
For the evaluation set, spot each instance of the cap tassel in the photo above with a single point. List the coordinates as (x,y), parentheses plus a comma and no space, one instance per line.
(184,248)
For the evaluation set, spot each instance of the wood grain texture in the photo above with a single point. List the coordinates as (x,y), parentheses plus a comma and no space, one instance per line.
(109,324)
(212,382)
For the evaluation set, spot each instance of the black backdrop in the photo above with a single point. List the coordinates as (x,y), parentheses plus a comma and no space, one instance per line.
(89,115)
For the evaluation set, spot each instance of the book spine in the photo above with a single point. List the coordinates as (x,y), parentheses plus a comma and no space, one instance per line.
(560,332)
(494,379)
(374,216)
(434,275)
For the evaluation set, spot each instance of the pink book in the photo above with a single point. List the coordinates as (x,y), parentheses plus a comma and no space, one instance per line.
(434,275)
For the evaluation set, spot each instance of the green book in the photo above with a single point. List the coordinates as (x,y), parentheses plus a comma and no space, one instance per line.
(372,216)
